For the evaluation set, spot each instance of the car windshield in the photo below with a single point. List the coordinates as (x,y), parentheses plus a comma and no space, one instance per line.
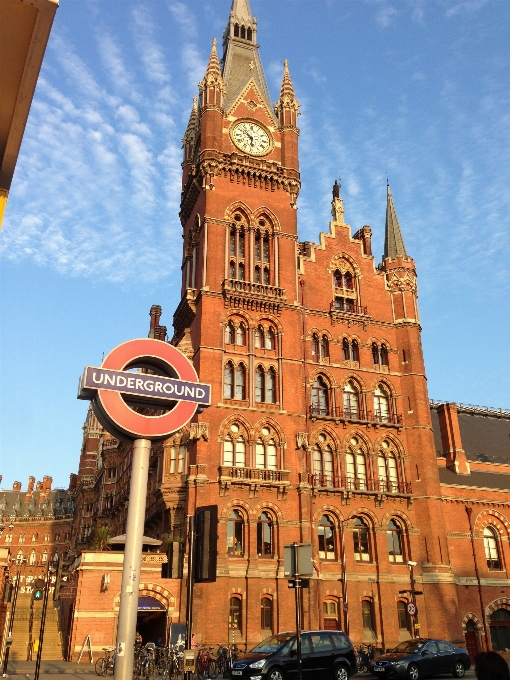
(408,647)
(271,644)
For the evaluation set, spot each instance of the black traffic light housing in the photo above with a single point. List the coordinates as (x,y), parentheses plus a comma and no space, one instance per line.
(38,590)
(206,546)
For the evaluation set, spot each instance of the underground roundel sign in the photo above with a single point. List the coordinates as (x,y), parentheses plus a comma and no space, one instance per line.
(144,389)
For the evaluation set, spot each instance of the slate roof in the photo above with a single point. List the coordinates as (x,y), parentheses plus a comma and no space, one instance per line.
(54,503)
(485,433)
(485,480)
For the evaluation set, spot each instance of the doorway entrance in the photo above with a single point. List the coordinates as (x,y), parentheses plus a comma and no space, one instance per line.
(471,640)
(151,620)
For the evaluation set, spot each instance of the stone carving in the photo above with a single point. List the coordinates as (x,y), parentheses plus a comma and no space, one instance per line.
(199,431)
(301,440)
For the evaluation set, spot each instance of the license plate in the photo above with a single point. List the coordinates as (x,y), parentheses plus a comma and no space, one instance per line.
(378,669)
(237,672)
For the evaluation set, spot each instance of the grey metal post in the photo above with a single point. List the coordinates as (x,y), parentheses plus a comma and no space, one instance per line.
(128,609)
(189,585)
(43,621)
(11,623)
(298,613)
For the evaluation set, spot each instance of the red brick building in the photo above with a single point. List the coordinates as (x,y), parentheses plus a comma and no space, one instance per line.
(320,429)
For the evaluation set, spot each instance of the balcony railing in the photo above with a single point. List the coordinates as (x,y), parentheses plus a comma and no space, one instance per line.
(350,483)
(254,288)
(254,474)
(348,307)
(340,413)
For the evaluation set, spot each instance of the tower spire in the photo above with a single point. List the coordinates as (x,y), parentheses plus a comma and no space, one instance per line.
(287,107)
(241,59)
(212,86)
(393,242)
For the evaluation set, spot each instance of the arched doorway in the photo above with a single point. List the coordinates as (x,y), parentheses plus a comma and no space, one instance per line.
(500,630)
(151,619)
(472,639)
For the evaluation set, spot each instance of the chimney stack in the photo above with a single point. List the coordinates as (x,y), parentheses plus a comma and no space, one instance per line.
(46,484)
(38,486)
(16,486)
(31,482)
(155,315)
(73,481)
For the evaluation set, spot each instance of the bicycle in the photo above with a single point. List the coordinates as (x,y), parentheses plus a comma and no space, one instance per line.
(225,658)
(206,665)
(106,663)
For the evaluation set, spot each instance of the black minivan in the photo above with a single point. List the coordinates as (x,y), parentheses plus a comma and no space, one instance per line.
(326,654)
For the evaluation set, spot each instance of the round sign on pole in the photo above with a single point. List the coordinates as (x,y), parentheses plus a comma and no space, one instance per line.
(150,376)
(411,609)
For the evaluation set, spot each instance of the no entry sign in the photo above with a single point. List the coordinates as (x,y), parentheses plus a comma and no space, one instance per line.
(163,379)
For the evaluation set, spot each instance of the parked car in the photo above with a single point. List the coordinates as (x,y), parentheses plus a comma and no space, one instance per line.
(325,654)
(417,658)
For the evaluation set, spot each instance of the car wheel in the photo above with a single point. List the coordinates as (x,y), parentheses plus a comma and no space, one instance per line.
(341,673)
(275,674)
(458,670)
(413,672)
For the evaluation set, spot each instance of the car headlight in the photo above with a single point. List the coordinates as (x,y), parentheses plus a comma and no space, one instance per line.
(258,664)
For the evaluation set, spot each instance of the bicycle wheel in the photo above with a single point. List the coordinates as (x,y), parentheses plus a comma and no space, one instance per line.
(99,666)
(213,670)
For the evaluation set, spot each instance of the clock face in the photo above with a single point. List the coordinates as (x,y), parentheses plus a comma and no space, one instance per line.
(251,138)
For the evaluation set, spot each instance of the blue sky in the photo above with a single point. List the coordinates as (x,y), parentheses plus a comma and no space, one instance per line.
(416,89)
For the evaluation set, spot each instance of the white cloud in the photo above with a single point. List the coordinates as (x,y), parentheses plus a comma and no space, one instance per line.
(386,16)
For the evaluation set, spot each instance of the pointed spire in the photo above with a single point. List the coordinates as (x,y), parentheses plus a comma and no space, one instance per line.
(213,67)
(393,242)
(241,60)
(192,123)
(287,107)
(212,86)
(241,9)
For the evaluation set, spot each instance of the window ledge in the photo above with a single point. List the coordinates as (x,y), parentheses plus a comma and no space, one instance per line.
(246,475)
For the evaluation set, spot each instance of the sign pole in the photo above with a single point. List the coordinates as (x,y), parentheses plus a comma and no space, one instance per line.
(43,621)
(298,613)
(128,610)
(11,623)
(189,585)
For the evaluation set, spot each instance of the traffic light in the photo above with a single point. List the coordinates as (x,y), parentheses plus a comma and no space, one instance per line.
(206,546)
(8,592)
(38,591)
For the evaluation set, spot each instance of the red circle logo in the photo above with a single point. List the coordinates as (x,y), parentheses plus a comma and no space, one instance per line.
(170,382)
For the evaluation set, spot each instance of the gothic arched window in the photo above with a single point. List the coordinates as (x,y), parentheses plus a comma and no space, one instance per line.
(271,386)
(381,405)
(241,335)
(260,384)
(346,354)
(240,385)
(361,536)
(229,333)
(384,355)
(315,347)
(395,542)
(32,557)
(235,534)
(249,34)
(326,533)
(320,397)
(235,615)
(490,543)
(228,381)
(259,337)
(234,448)
(375,354)
(323,469)
(354,351)
(324,347)
(270,339)
(351,401)
(236,30)
(265,535)
(266,455)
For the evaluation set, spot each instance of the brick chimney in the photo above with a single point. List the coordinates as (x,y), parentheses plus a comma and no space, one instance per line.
(155,315)
(160,333)
(38,486)
(31,482)
(451,439)
(16,486)
(73,481)
(46,483)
